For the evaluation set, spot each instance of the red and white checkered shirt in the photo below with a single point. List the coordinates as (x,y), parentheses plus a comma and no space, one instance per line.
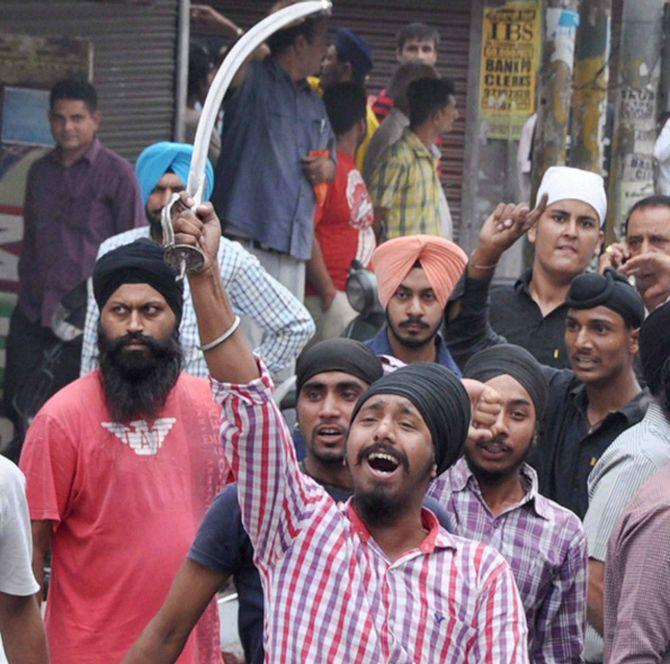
(545,545)
(331,594)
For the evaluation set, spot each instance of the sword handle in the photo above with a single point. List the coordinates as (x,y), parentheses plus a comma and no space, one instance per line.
(181,257)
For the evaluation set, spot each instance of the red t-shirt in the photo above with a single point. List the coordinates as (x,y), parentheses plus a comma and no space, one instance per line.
(125,501)
(344,225)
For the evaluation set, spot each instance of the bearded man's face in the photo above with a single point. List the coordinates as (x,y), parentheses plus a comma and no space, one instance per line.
(140,355)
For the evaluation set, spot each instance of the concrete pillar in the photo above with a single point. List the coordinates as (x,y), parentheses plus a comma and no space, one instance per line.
(632,173)
(555,86)
(590,80)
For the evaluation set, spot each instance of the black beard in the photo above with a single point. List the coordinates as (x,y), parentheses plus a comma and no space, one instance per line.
(409,342)
(136,384)
(378,508)
(495,477)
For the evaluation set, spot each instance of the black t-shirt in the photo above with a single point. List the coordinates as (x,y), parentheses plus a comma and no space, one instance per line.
(223,545)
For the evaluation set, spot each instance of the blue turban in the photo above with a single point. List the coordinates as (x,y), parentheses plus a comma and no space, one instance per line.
(352,49)
(159,158)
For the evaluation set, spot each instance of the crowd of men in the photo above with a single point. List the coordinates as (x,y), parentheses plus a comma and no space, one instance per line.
(485,479)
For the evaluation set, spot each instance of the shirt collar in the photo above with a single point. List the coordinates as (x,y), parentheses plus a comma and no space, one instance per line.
(631,411)
(90,155)
(413,142)
(436,537)
(462,478)
(656,417)
(380,345)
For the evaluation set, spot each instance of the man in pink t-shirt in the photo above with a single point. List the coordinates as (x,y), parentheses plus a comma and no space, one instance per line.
(343,226)
(120,467)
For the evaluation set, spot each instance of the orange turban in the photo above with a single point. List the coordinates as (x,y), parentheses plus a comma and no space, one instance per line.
(442,261)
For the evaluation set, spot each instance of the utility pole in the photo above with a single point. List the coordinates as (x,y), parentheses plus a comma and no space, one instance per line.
(632,172)
(664,90)
(555,86)
(589,94)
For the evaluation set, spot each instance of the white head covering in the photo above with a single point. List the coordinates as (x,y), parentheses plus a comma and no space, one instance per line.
(562,182)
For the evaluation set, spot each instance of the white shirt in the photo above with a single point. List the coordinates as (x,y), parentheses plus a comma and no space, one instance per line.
(662,156)
(16,543)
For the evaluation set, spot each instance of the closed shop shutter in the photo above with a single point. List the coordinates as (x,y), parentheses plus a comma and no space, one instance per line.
(134,54)
(378,21)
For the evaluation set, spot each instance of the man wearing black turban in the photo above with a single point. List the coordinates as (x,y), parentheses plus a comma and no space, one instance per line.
(492,496)
(589,405)
(330,377)
(126,461)
(375,579)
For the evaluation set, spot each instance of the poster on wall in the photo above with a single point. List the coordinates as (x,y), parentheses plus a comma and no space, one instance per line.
(510,59)
(29,66)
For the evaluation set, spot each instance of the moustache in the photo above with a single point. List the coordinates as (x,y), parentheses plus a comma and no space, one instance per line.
(414,322)
(496,443)
(156,346)
(399,456)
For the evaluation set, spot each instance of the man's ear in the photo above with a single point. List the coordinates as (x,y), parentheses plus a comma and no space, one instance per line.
(97,119)
(532,233)
(433,472)
(299,43)
(634,342)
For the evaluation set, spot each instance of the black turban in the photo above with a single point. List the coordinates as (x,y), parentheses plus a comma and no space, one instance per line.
(441,399)
(513,361)
(610,290)
(346,355)
(138,263)
(655,346)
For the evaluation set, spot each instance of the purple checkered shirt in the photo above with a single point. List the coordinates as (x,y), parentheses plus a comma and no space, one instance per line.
(330,592)
(546,548)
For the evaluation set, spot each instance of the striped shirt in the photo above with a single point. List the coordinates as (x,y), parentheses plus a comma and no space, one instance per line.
(331,593)
(253,293)
(544,544)
(405,182)
(628,462)
(637,578)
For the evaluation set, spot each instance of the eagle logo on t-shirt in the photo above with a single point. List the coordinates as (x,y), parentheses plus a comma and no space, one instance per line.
(142,439)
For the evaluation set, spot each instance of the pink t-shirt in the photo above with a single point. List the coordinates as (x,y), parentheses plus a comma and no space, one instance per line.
(126,501)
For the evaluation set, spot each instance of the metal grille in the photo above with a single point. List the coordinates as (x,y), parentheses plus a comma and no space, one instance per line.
(378,21)
(134,50)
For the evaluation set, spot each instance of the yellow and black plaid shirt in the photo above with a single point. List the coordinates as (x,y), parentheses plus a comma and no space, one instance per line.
(405,181)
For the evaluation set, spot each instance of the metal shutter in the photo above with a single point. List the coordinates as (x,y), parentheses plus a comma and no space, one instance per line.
(378,21)
(134,52)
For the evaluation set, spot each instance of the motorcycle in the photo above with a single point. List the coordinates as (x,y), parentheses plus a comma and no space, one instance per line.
(58,366)
(361,290)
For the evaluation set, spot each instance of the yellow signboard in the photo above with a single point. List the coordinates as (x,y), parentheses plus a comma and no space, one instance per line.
(510,59)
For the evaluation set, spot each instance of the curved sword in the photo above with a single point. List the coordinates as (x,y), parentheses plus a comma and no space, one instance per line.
(184,257)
